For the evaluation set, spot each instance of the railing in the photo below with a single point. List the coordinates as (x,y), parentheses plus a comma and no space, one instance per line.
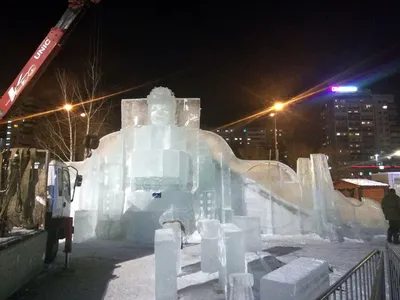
(393,266)
(366,280)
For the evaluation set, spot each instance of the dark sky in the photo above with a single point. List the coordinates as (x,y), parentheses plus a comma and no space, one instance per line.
(234,55)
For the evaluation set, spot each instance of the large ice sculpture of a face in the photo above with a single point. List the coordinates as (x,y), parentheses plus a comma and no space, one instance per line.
(161,107)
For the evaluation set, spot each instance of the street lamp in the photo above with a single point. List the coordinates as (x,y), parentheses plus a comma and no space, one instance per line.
(278,106)
(275,137)
(67,107)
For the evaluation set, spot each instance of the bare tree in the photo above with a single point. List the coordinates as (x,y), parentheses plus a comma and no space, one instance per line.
(63,132)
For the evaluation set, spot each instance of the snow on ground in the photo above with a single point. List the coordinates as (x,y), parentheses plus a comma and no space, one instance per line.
(114,270)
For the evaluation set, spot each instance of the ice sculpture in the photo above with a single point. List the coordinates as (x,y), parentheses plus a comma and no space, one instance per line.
(161,167)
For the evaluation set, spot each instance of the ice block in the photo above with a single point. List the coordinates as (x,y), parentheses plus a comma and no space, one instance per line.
(176,227)
(301,279)
(209,230)
(240,286)
(166,287)
(232,239)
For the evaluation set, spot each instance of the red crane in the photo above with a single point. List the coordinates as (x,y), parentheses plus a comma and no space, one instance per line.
(44,54)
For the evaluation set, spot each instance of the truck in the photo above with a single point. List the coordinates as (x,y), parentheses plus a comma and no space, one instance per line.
(35,192)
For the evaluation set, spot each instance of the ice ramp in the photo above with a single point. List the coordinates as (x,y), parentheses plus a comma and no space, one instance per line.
(291,203)
(277,216)
(268,189)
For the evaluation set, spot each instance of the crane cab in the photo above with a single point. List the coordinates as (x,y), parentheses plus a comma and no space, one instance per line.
(59,188)
(59,224)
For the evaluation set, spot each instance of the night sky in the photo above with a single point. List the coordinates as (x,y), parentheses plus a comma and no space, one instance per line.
(235,56)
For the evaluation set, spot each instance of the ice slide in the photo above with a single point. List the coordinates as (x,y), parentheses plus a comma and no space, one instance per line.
(291,203)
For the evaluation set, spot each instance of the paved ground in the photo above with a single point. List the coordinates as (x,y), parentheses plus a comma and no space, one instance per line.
(116,270)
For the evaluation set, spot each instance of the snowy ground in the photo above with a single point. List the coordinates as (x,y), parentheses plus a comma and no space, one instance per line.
(116,270)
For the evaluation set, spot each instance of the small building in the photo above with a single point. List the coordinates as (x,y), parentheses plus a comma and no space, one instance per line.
(358,188)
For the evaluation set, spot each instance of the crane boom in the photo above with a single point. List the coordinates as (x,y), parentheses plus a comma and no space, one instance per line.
(44,54)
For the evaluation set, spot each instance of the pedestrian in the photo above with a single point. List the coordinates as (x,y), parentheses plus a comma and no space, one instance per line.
(391,210)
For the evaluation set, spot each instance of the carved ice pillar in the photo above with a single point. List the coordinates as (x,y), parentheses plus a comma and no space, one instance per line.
(323,196)
(226,197)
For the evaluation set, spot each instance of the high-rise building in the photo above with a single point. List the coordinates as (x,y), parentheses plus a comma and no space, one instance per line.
(19,133)
(254,142)
(359,127)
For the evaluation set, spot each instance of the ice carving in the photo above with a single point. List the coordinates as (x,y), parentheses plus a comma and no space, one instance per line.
(162,107)
(165,254)
(160,165)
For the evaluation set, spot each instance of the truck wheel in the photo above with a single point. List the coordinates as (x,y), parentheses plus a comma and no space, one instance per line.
(51,250)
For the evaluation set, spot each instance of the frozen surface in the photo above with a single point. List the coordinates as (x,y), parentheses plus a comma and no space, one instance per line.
(115,270)
(161,166)
(301,279)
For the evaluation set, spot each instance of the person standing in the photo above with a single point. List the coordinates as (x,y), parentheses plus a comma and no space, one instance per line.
(391,210)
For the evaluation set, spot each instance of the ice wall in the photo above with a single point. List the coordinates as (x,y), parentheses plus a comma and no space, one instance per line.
(160,167)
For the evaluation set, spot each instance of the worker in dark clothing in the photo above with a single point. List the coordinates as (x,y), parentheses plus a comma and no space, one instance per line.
(391,210)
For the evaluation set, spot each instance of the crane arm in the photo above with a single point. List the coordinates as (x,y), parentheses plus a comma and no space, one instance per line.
(43,55)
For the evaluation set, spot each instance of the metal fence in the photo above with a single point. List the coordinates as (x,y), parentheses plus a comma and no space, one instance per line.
(393,267)
(366,281)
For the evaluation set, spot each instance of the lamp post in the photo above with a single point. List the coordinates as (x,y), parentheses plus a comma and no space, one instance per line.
(72,130)
(277,107)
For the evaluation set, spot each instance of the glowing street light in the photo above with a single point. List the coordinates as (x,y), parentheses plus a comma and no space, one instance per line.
(67,107)
(274,115)
(278,106)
